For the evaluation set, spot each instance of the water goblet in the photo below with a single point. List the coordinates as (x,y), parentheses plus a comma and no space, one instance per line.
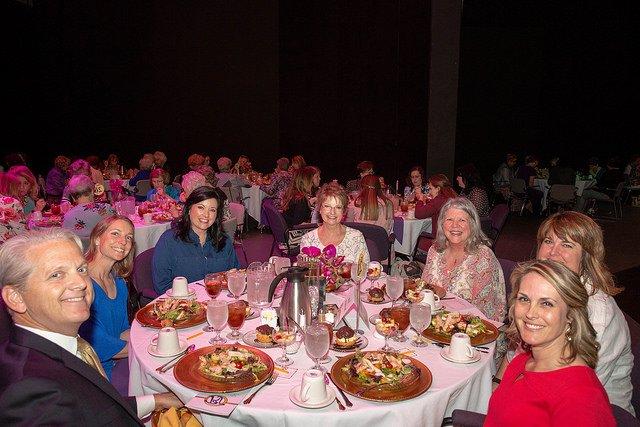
(236,283)
(237,314)
(217,314)
(420,317)
(395,288)
(284,336)
(316,341)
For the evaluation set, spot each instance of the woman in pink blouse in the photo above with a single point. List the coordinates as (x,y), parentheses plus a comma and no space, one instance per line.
(461,262)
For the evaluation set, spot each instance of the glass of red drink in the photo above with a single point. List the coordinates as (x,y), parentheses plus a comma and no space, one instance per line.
(237,314)
(213,284)
(401,315)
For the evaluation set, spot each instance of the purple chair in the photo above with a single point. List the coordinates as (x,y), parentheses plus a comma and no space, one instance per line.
(379,243)
(142,278)
(507,268)
(280,232)
(634,331)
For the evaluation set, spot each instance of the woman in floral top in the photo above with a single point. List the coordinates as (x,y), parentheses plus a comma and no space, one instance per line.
(12,218)
(461,262)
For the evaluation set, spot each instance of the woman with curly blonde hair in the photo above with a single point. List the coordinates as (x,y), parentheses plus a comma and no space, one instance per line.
(552,382)
(575,240)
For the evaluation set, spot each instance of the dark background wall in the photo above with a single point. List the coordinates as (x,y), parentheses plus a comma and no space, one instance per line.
(336,81)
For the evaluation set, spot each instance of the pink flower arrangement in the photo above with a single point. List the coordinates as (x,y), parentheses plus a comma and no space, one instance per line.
(332,266)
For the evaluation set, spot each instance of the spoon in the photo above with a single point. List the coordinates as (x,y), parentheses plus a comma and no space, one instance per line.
(170,363)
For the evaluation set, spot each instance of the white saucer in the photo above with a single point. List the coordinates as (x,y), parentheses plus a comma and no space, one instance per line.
(295,392)
(191,294)
(152,349)
(445,354)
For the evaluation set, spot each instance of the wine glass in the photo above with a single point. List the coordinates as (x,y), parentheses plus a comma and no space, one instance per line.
(236,283)
(217,314)
(316,341)
(420,317)
(386,327)
(395,288)
(400,315)
(284,336)
(237,315)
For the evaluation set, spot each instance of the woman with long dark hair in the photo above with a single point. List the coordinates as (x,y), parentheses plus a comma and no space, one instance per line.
(371,205)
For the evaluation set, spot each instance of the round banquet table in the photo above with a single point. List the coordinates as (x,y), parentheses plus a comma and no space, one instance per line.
(464,386)
(147,235)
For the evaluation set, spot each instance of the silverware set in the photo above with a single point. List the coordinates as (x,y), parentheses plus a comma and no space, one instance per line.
(165,367)
(269,381)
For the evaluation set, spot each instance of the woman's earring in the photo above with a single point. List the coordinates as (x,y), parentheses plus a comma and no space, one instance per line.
(567,333)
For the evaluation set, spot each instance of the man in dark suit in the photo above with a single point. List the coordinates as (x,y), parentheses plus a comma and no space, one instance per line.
(44,381)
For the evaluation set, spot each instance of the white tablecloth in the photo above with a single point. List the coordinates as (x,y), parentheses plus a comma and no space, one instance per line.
(411,229)
(147,235)
(253,201)
(466,386)
(543,185)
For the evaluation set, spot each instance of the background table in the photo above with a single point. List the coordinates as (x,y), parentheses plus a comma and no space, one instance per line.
(147,235)
(543,185)
(466,386)
(252,197)
(410,230)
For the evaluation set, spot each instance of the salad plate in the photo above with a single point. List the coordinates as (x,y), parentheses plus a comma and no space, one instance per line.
(179,313)
(444,324)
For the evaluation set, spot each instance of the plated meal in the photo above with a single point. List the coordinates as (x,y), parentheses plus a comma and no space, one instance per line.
(225,368)
(447,323)
(179,313)
(375,295)
(381,376)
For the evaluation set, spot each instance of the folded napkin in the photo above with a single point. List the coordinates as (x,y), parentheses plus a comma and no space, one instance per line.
(175,417)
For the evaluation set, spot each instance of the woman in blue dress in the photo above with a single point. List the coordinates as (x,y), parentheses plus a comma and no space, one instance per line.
(196,244)
(110,261)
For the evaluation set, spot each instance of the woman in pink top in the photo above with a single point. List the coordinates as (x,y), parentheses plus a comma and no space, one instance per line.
(553,381)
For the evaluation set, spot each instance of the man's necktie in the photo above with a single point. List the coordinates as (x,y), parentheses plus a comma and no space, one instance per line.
(89,356)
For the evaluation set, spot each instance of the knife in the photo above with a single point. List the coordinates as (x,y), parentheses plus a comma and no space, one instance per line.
(344,396)
(172,362)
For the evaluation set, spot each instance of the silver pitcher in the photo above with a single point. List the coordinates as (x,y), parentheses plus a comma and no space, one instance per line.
(295,303)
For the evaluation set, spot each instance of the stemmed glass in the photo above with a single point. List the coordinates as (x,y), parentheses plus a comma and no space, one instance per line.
(237,315)
(284,336)
(400,315)
(358,275)
(386,328)
(316,341)
(217,314)
(236,283)
(420,316)
(395,288)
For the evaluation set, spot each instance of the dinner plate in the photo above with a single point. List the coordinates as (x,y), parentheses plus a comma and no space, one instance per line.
(447,356)
(190,294)
(364,297)
(152,349)
(145,318)
(363,343)
(490,336)
(187,372)
(346,383)
(250,339)
(295,392)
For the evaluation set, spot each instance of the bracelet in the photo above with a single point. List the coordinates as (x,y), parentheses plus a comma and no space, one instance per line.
(495,379)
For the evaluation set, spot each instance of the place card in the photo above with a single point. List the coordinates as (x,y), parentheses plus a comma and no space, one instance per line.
(285,372)
(217,404)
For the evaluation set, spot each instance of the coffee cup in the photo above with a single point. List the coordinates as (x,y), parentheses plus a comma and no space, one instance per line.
(167,341)
(313,388)
(460,347)
(432,299)
(179,288)
(148,218)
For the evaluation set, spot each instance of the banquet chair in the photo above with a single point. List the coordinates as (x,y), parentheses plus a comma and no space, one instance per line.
(519,193)
(561,196)
(424,242)
(493,223)
(238,212)
(507,268)
(379,243)
(615,200)
(280,232)
(142,188)
(141,276)
(634,332)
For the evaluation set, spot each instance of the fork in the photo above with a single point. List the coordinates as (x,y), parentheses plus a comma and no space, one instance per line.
(269,381)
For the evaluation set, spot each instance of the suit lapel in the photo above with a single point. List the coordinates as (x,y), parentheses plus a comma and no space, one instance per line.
(54,351)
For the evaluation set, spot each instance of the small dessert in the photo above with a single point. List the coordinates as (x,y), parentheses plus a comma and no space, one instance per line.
(414,295)
(375,294)
(283,337)
(386,326)
(374,270)
(263,334)
(385,314)
(345,337)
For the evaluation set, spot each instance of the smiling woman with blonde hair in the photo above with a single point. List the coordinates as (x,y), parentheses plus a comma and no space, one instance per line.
(552,382)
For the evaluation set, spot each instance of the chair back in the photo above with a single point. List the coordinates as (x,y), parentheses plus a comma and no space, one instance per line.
(237,211)
(507,268)
(276,221)
(518,186)
(377,240)
(634,331)
(562,193)
(142,277)
(623,418)
(424,242)
(229,226)
(498,216)
(142,187)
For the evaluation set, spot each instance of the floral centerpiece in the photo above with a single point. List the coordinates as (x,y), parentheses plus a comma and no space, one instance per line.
(332,266)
